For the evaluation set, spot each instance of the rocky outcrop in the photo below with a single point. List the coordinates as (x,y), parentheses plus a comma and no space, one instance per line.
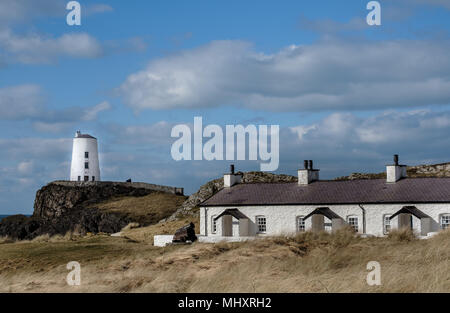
(210,188)
(59,199)
(432,170)
(355,176)
(61,207)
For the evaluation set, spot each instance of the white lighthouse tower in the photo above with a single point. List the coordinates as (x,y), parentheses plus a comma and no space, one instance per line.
(85,165)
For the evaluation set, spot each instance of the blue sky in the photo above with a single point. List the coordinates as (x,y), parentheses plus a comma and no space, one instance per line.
(344,94)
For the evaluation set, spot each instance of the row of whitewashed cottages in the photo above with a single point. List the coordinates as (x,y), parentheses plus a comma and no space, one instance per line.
(370,206)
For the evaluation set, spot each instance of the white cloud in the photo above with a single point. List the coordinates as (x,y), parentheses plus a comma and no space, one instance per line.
(415,131)
(157,133)
(26,102)
(12,11)
(97,8)
(37,48)
(329,75)
(22,101)
(57,121)
(91,114)
(19,11)
(25,167)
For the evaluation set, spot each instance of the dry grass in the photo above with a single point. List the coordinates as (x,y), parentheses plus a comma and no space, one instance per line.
(145,234)
(147,209)
(305,263)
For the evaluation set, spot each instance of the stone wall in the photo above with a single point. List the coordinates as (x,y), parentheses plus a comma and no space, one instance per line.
(136,185)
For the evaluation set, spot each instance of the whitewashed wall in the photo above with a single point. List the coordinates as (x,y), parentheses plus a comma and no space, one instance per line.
(80,146)
(282,219)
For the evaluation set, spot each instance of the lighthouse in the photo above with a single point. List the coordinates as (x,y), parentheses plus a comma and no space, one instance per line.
(85,165)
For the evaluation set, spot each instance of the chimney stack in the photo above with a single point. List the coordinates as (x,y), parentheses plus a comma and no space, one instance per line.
(309,174)
(396,171)
(396,159)
(231,179)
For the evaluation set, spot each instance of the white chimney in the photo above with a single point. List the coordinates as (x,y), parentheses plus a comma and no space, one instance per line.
(395,172)
(231,179)
(308,174)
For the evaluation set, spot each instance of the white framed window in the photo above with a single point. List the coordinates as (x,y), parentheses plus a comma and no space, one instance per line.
(213,224)
(353,222)
(445,221)
(386,224)
(300,224)
(261,224)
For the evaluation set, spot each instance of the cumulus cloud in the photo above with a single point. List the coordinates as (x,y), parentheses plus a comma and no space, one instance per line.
(344,142)
(37,48)
(328,75)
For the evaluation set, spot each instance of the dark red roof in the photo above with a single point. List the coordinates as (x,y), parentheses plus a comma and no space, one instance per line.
(407,190)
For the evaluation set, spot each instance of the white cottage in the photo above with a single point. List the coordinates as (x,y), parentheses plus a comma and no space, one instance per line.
(371,206)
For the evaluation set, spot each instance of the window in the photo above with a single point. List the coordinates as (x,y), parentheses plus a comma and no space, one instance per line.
(386,224)
(86,178)
(445,221)
(86,165)
(93,178)
(300,224)
(353,222)
(261,224)
(86,155)
(213,224)
(79,178)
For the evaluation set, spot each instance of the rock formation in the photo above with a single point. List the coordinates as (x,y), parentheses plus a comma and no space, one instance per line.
(61,207)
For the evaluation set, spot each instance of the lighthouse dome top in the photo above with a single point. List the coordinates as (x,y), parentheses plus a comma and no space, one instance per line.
(78,134)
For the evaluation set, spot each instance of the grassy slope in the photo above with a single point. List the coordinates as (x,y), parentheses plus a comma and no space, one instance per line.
(306,263)
(145,234)
(146,210)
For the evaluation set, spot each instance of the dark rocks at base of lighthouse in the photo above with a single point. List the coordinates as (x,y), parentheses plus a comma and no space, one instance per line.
(62,207)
